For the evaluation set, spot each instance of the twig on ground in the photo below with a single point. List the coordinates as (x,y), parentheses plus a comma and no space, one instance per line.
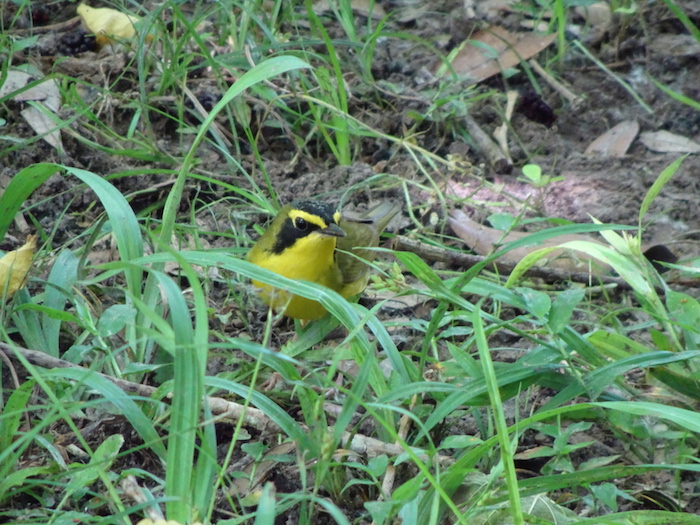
(573,99)
(252,417)
(496,159)
(550,275)
(13,373)
(390,474)
(68,25)
(501,132)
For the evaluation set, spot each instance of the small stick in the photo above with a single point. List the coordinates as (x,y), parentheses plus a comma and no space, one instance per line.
(501,133)
(252,417)
(68,25)
(575,100)
(390,474)
(496,159)
(550,275)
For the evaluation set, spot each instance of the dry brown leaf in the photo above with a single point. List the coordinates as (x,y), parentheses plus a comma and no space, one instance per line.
(484,240)
(616,141)
(494,50)
(107,24)
(667,142)
(45,93)
(14,268)
(598,17)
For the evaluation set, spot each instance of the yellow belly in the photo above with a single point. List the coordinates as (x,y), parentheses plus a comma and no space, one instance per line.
(295,263)
(290,304)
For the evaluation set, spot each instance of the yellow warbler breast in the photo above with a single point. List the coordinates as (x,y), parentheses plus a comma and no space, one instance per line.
(299,244)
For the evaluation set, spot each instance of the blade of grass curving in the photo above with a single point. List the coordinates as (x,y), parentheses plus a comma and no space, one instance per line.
(113,394)
(27,321)
(349,314)
(537,238)
(62,277)
(694,104)
(684,19)
(580,478)
(631,272)
(659,183)
(641,517)
(19,189)
(682,417)
(596,381)
(619,80)
(261,72)
(122,222)
(12,414)
(283,420)
(189,349)
(499,417)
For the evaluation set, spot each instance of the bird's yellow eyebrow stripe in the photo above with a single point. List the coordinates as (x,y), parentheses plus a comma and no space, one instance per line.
(308,217)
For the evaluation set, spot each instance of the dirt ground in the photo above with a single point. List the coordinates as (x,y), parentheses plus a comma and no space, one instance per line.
(635,49)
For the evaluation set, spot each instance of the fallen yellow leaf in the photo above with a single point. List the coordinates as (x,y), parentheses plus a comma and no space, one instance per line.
(107,24)
(14,268)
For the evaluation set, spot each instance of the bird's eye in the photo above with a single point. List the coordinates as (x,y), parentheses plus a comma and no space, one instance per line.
(300,224)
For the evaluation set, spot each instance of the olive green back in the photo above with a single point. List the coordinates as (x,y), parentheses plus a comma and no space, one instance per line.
(363,231)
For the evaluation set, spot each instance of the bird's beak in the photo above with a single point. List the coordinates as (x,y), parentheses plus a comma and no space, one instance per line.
(333,230)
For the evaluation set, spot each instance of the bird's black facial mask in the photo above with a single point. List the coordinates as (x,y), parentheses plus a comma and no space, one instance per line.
(304,218)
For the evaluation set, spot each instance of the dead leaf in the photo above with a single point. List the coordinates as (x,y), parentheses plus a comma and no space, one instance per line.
(494,50)
(616,141)
(45,93)
(484,241)
(667,142)
(108,25)
(14,268)
(598,17)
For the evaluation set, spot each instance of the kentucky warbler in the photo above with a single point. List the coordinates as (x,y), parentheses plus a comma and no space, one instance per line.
(306,240)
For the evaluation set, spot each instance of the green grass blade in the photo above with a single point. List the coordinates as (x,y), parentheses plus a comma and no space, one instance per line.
(682,417)
(122,222)
(62,277)
(11,416)
(283,420)
(659,183)
(516,511)
(685,19)
(19,189)
(113,394)
(694,104)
